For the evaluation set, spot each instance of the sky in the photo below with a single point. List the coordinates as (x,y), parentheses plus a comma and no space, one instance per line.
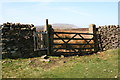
(80,14)
(119,13)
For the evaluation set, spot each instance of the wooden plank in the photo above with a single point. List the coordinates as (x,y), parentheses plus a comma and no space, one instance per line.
(74,48)
(71,38)
(74,39)
(58,54)
(67,41)
(51,39)
(73,52)
(42,49)
(72,33)
(35,41)
(41,32)
(80,54)
(85,40)
(47,29)
(70,44)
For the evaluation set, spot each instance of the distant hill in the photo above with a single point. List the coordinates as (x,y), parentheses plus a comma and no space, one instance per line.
(58,26)
(63,26)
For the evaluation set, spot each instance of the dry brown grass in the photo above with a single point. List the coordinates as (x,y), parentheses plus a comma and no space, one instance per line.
(73,41)
(67,48)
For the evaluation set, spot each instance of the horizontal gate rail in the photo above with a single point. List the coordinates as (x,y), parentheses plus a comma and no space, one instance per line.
(74,48)
(43,49)
(73,33)
(58,43)
(73,38)
(71,44)
(58,54)
(73,52)
(41,32)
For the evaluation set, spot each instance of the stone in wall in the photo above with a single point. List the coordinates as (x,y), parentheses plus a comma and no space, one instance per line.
(17,40)
(109,36)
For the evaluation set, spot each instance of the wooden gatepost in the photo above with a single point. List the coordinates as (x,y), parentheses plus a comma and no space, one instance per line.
(49,37)
(92,29)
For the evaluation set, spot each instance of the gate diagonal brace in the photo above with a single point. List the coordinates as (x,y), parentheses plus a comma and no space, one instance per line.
(71,38)
(85,40)
(66,42)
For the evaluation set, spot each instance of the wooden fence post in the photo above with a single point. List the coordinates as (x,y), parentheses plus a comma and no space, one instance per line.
(45,36)
(49,37)
(35,39)
(92,29)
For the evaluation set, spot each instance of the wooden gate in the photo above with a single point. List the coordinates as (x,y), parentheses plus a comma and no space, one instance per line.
(43,39)
(68,43)
(76,44)
(40,41)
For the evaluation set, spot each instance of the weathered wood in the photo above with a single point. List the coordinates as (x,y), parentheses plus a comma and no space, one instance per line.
(46,37)
(49,37)
(74,48)
(35,40)
(63,53)
(73,38)
(73,33)
(71,44)
(41,32)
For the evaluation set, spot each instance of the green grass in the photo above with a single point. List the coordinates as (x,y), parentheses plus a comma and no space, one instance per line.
(104,65)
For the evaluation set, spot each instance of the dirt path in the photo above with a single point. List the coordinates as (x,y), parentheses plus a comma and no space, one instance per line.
(54,62)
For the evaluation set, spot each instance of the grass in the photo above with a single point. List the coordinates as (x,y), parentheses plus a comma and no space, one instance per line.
(102,65)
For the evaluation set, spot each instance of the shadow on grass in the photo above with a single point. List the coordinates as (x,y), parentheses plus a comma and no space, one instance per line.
(24,55)
(39,54)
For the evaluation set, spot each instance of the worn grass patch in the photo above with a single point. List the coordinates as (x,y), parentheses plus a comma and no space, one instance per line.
(102,65)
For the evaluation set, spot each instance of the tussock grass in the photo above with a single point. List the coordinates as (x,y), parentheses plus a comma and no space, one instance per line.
(101,65)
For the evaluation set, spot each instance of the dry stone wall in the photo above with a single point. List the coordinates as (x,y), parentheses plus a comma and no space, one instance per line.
(109,36)
(17,40)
